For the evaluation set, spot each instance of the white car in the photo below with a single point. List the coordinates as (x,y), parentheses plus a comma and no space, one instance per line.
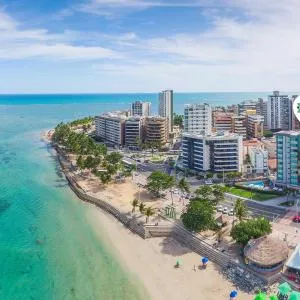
(225,210)
(220,208)
(231,213)
(208,182)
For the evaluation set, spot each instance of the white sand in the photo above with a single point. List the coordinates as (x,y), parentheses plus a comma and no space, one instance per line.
(152,261)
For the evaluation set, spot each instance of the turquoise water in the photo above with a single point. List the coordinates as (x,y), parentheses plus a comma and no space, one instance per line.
(47,248)
(254,184)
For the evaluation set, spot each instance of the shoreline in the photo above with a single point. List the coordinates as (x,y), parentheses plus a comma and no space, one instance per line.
(150,251)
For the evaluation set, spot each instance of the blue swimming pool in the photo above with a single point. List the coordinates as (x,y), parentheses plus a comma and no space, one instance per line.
(254,184)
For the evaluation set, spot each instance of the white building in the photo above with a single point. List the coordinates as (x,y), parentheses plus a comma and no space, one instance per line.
(110,128)
(279,111)
(218,153)
(198,118)
(259,160)
(134,128)
(165,107)
(139,108)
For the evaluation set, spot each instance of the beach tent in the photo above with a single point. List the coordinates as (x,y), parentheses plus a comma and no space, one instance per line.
(260,296)
(273,297)
(294,296)
(284,288)
(204,260)
(233,294)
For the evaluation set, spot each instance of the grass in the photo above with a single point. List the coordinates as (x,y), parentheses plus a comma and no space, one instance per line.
(287,203)
(157,159)
(255,195)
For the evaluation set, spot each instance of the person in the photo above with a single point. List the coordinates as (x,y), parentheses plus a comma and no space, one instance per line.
(194,268)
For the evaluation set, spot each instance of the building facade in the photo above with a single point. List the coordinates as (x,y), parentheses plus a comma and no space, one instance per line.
(222,121)
(217,153)
(165,107)
(247,105)
(110,128)
(279,110)
(239,126)
(134,131)
(255,126)
(139,108)
(156,130)
(259,161)
(198,118)
(288,158)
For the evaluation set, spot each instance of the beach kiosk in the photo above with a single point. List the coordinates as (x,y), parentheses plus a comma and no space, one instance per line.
(266,255)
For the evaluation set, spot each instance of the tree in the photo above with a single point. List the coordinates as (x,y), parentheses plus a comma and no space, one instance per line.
(80,162)
(178,120)
(250,229)
(142,207)
(158,182)
(268,133)
(209,175)
(199,216)
(104,177)
(148,213)
(204,191)
(240,209)
(134,204)
(184,186)
(218,192)
(213,193)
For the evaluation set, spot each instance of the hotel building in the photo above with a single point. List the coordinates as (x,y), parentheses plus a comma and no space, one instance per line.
(222,121)
(288,158)
(255,126)
(218,153)
(165,107)
(134,131)
(139,108)
(198,118)
(239,126)
(156,130)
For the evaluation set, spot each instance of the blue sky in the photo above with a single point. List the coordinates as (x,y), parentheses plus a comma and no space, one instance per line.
(60,46)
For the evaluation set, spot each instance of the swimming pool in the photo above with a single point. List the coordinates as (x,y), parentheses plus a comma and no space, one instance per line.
(254,184)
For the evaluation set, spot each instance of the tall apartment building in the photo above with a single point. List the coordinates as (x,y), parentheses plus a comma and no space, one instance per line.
(247,105)
(134,131)
(255,126)
(218,153)
(156,130)
(165,107)
(288,160)
(198,118)
(259,160)
(139,108)
(279,110)
(222,121)
(110,128)
(239,125)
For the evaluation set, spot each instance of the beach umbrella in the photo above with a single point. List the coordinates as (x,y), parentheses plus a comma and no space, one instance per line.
(178,262)
(284,288)
(294,296)
(273,297)
(260,296)
(204,260)
(233,294)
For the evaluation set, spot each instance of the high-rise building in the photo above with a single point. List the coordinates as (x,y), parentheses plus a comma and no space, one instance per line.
(110,128)
(259,160)
(279,110)
(139,108)
(198,118)
(156,130)
(288,160)
(165,107)
(255,126)
(247,105)
(218,153)
(222,121)
(134,131)
(239,125)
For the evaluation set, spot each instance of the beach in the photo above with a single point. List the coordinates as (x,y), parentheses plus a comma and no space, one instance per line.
(152,262)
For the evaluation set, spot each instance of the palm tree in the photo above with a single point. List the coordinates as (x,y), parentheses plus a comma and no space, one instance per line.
(142,207)
(148,213)
(240,209)
(134,204)
(183,185)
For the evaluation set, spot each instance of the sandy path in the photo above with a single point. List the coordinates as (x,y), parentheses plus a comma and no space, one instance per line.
(152,261)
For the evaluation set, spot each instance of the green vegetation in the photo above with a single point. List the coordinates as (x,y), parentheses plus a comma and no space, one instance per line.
(91,156)
(85,121)
(157,159)
(184,186)
(287,203)
(178,120)
(158,182)
(199,216)
(135,204)
(250,229)
(252,194)
(149,211)
(240,209)
(268,133)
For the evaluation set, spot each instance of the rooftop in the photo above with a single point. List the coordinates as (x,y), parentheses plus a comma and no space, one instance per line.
(214,136)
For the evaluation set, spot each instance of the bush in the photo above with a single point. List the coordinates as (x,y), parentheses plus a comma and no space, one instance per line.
(246,188)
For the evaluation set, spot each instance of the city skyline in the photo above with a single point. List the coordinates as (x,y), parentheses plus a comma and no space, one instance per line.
(105,46)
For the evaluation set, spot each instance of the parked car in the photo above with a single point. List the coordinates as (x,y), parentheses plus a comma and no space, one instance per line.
(296,219)
(220,208)
(225,210)
(208,182)
(231,213)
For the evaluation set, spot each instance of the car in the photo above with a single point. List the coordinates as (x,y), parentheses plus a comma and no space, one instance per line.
(208,182)
(296,219)
(231,212)
(225,210)
(220,208)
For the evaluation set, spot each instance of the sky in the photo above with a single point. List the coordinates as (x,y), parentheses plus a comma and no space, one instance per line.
(107,46)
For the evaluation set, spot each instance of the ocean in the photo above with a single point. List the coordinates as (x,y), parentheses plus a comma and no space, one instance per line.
(48,250)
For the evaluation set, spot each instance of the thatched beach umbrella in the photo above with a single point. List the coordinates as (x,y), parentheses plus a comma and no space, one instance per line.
(233,294)
(284,288)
